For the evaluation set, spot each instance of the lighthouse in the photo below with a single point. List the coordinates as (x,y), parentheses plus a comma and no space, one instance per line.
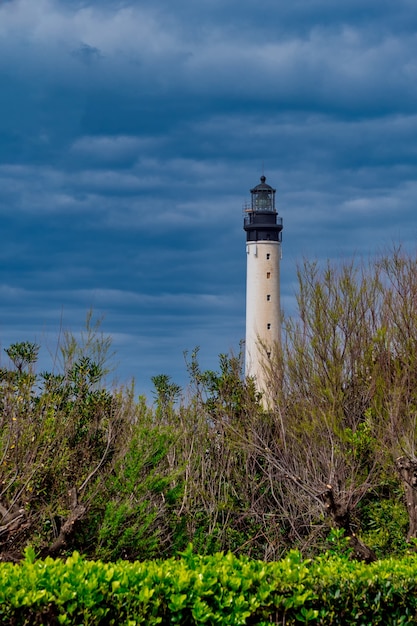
(263,307)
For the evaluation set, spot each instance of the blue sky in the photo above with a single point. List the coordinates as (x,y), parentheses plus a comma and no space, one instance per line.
(131,133)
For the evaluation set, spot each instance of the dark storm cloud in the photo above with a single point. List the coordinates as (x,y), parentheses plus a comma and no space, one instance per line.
(131,135)
(87,54)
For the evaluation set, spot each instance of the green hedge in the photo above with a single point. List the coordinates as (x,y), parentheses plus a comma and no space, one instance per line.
(219,589)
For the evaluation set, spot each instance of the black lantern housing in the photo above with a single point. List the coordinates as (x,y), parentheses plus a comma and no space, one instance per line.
(261,221)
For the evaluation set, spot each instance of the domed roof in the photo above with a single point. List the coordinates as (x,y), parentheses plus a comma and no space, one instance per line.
(262,186)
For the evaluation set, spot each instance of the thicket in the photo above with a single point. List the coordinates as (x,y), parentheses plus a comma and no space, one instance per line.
(100,470)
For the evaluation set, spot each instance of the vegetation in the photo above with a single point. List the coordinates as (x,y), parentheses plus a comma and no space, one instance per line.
(217,589)
(95,469)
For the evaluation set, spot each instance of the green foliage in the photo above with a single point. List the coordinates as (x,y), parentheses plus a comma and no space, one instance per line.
(384,526)
(23,354)
(220,589)
(90,343)
(338,543)
(224,394)
(210,464)
(166,394)
(138,493)
(57,432)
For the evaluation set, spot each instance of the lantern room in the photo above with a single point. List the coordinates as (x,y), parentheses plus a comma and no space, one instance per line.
(261,221)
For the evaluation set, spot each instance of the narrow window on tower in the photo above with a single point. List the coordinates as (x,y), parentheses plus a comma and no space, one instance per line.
(268,274)
(268,326)
(268,297)
(268,256)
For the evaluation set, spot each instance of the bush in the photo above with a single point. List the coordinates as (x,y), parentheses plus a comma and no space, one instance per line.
(220,589)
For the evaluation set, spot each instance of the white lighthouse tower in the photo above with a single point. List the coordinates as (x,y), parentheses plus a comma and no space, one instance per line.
(263,307)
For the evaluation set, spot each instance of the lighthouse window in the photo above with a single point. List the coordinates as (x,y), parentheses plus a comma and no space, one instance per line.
(268,297)
(268,256)
(268,326)
(268,274)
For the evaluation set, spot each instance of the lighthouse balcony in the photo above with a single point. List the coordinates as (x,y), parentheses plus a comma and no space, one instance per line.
(259,220)
(263,235)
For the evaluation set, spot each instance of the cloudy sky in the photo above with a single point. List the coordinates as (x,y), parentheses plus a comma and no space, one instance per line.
(132,131)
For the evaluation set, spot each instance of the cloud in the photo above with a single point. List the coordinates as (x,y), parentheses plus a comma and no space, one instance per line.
(87,54)
(114,148)
(343,63)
